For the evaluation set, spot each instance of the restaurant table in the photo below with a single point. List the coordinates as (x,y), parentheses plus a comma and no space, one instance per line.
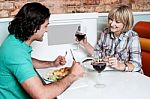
(118,85)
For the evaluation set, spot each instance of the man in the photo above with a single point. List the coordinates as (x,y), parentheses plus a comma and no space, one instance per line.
(18,80)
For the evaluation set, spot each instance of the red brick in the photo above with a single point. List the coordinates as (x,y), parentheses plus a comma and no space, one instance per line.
(10,7)
(100,8)
(4,13)
(14,12)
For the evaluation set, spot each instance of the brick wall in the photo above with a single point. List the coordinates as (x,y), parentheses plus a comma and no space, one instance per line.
(8,8)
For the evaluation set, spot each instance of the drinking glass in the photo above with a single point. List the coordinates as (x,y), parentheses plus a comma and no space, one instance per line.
(99,67)
(80,35)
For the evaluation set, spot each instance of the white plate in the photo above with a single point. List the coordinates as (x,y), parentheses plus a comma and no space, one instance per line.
(49,77)
(46,80)
(87,64)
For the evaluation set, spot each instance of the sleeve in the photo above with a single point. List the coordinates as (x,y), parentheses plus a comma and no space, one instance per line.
(21,67)
(99,46)
(24,72)
(135,53)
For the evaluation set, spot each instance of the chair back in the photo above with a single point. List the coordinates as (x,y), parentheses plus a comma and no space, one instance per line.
(143,30)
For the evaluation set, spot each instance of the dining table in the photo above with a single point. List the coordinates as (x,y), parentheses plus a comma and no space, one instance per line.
(118,85)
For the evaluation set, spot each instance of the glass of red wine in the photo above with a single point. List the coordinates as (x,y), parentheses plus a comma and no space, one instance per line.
(80,35)
(99,67)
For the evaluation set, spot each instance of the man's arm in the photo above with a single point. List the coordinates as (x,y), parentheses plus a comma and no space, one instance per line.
(37,90)
(60,60)
(42,64)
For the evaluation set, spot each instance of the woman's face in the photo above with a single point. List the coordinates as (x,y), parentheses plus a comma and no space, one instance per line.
(115,26)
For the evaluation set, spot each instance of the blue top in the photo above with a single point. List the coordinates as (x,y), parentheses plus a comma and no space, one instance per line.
(15,67)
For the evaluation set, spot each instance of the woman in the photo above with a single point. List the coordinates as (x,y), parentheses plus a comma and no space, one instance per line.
(118,43)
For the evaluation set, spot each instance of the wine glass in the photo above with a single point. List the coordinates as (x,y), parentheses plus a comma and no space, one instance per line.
(99,67)
(80,35)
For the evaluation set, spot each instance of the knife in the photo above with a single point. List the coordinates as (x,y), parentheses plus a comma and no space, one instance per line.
(72,55)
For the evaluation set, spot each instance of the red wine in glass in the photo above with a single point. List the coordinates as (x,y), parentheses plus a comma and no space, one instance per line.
(99,67)
(80,36)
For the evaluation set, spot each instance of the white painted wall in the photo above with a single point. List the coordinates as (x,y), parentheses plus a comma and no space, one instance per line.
(4,28)
(41,50)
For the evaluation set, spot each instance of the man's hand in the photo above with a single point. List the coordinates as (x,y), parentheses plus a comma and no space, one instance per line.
(76,70)
(60,60)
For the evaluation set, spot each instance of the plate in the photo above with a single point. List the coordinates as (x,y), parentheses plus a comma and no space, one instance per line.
(56,74)
(87,64)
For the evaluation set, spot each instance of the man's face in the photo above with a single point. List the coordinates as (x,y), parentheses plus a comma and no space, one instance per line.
(43,29)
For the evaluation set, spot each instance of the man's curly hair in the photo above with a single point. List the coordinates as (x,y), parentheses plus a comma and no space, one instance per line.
(28,20)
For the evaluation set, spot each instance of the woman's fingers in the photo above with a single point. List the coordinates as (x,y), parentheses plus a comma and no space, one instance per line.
(113,61)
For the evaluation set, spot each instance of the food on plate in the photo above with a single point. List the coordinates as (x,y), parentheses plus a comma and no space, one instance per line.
(97,60)
(58,74)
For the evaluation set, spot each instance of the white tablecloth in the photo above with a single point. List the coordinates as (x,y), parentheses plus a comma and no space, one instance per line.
(118,85)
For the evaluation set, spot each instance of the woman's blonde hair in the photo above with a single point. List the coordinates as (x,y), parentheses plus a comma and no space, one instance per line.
(123,14)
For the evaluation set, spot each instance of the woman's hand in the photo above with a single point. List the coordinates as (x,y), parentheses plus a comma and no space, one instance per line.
(83,42)
(116,64)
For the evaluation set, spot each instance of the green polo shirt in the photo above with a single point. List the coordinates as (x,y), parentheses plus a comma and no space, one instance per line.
(15,67)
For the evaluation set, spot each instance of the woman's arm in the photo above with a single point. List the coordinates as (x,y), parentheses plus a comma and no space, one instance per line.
(120,66)
(135,54)
(89,48)
(133,63)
